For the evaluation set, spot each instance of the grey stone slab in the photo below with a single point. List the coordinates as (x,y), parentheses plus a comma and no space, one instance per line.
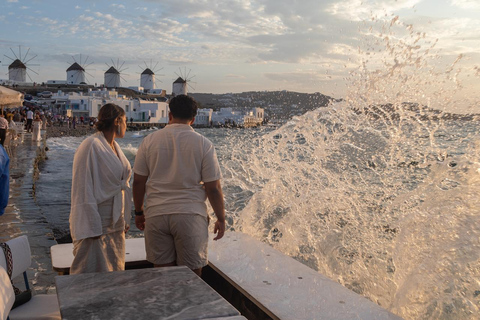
(153,293)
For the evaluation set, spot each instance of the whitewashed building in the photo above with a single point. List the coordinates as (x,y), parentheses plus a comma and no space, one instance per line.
(75,74)
(147,80)
(228,116)
(179,87)
(17,71)
(203,118)
(87,105)
(112,78)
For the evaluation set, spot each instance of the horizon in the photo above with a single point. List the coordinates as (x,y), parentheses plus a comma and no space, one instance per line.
(255,45)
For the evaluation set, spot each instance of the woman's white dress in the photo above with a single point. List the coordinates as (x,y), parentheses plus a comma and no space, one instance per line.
(36,134)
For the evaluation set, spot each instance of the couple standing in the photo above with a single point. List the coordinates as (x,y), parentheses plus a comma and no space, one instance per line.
(175,168)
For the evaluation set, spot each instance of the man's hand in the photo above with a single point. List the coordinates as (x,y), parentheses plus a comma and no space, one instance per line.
(220,228)
(140,222)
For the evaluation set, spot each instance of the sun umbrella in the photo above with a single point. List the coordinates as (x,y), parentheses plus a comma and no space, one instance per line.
(10,98)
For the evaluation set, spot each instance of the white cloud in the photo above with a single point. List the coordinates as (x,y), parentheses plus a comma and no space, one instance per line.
(24,7)
(359,10)
(466,4)
(119,6)
(11,1)
(77,7)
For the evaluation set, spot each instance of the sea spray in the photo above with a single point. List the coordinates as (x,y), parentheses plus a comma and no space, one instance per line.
(378,192)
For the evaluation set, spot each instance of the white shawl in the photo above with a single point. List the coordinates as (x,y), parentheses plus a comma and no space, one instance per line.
(98,175)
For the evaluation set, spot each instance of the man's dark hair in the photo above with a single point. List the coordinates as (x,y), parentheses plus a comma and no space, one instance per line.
(183,107)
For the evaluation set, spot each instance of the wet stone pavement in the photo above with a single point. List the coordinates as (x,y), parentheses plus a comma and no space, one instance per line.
(23,217)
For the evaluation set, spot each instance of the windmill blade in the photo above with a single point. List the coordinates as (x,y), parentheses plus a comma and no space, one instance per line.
(13,54)
(8,57)
(32,70)
(156,66)
(88,74)
(30,59)
(88,65)
(26,54)
(29,77)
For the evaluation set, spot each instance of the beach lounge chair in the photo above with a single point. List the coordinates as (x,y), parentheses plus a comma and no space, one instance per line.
(40,306)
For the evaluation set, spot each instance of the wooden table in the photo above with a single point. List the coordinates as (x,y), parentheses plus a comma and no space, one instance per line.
(153,293)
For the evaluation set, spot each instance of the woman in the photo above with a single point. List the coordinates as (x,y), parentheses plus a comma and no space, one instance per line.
(101,197)
(37,126)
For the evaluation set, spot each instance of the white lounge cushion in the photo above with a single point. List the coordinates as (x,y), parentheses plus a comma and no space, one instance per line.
(40,307)
(7,296)
(20,249)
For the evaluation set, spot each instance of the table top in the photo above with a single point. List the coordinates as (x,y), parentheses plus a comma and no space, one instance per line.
(152,293)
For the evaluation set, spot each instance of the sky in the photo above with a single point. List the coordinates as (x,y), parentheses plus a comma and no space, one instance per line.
(327,46)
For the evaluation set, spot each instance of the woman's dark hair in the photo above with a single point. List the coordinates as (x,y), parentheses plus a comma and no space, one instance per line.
(183,107)
(107,115)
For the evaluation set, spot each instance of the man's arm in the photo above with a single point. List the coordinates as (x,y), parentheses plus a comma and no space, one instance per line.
(139,183)
(215,197)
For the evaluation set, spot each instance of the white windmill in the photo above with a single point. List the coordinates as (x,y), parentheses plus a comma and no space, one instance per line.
(147,77)
(181,85)
(17,70)
(77,70)
(113,74)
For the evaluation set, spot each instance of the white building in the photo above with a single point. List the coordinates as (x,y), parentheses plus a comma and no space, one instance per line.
(75,74)
(17,71)
(87,105)
(203,118)
(147,80)
(112,78)
(179,87)
(227,116)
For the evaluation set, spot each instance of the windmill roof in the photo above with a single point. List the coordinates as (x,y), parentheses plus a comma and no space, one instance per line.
(17,64)
(147,71)
(75,66)
(180,80)
(112,70)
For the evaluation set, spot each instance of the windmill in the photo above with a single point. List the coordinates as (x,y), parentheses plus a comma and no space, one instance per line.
(17,70)
(113,74)
(147,77)
(77,70)
(183,81)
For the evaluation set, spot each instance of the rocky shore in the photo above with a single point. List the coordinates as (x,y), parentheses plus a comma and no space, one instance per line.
(57,131)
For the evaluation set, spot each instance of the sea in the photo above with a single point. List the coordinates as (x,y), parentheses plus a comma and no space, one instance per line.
(378,191)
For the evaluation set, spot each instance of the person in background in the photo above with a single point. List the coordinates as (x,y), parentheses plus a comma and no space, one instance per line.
(37,127)
(29,120)
(3,128)
(177,169)
(4,179)
(101,197)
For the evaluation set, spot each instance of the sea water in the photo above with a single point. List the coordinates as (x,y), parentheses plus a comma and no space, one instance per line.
(382,199)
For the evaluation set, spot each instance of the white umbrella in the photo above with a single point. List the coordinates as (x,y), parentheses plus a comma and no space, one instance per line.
(10,98)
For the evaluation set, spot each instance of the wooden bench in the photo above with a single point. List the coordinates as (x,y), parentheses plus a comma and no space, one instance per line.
(282,287)
(135,256)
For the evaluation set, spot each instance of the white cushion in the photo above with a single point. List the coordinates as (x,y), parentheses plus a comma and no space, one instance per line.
(40,307)
(7,296)
(20,249)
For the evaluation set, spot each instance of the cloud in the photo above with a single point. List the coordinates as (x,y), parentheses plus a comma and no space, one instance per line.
(12,1)
(24,7)
(77,7)
(235,76)
(466,4)
(119,6)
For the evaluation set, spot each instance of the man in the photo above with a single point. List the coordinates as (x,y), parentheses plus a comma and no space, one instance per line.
(3,128)
(29,120)
(4,179)
(178,170)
